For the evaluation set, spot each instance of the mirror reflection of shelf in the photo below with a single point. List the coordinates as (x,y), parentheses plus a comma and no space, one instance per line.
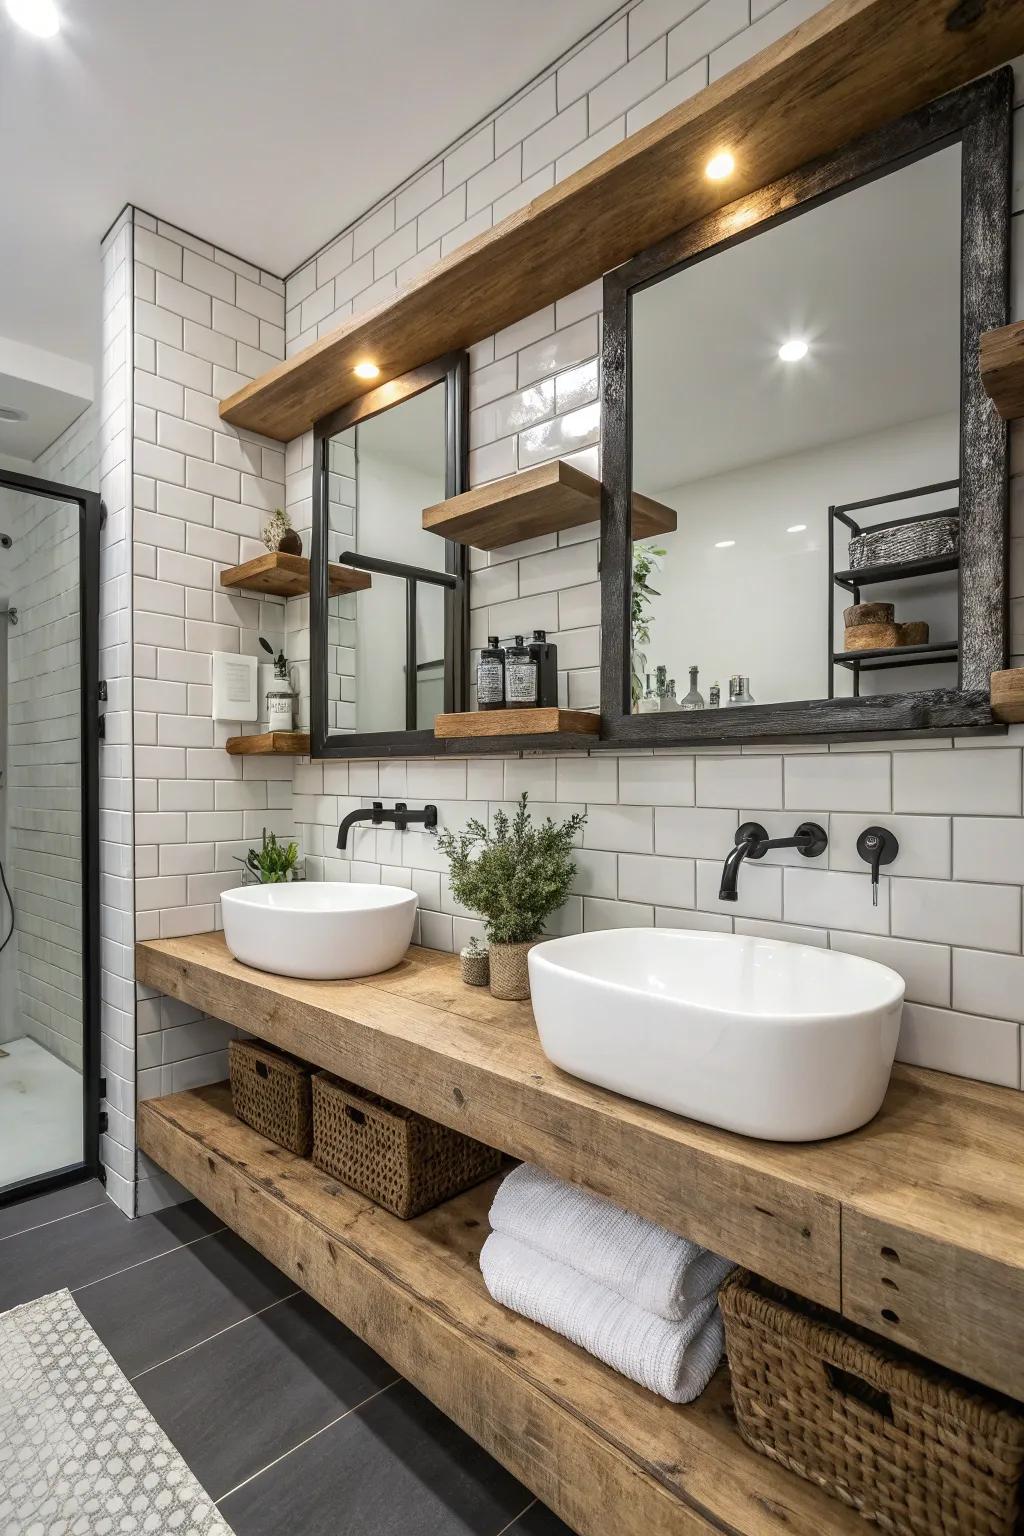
(899,656)
(546,499)
(281,575)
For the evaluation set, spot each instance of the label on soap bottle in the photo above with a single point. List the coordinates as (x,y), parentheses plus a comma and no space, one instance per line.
(489,681)
(521,682)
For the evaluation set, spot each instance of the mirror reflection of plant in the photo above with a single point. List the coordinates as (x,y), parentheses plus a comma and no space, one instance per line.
(515,875)
(646,558)
(272,863)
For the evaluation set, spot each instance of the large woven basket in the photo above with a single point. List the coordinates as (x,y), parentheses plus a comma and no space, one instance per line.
(271,1091)
(917,1450)
(399,1159)
(926,539)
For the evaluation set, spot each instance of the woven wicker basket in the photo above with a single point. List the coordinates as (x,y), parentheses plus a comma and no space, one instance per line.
(510,971)
(925,540)
(399,1159)
(271,1092)
(911,1447)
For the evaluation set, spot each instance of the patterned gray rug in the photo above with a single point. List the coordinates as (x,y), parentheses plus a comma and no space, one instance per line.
(80,1454)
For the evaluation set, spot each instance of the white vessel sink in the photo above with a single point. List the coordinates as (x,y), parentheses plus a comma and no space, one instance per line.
(323,931)
(776,1040)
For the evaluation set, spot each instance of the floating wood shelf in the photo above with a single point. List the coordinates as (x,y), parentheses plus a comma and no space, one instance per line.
(1002,369)
(1008,695)
(270,744)
(541,500)
(933,1179)
(281,575)
(606,1455)
(517,722)
(825,74)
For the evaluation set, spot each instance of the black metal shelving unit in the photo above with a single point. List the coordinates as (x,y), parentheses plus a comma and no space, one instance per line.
(867,576)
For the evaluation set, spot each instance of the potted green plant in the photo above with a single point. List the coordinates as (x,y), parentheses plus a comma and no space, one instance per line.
(514,875)
(274,862)
(645,562)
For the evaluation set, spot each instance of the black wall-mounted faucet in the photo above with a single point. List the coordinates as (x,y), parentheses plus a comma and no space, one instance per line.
(753,842)
(401,816)
(877,846)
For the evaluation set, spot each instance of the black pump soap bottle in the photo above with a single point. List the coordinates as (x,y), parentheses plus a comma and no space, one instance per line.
(545,654)
(490,676)
(520,676)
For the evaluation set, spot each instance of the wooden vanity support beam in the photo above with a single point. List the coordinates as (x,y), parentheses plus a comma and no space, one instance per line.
(933,1179)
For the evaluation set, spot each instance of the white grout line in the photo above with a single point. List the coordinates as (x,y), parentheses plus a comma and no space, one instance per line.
(68,1215)
(210,1336)
(151,1260)
(309,1438)
(516,1519)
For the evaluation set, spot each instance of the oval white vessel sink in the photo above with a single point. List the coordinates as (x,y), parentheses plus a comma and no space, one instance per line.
(782,1041)
(323,931)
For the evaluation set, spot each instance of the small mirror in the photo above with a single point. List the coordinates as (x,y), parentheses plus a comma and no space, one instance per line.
(392,650)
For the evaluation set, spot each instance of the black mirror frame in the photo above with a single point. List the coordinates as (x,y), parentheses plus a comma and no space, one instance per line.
(979,117)
(453,371)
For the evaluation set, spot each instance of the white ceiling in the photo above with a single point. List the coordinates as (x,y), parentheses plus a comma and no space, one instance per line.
(871,280)
(261,125)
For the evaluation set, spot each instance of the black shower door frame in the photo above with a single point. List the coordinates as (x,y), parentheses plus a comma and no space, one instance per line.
(90,520)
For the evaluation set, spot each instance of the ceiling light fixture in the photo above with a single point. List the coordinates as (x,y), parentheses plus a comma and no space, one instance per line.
(11,413)
(797,528)
(793,351)
(40,17)
(720,166)
(366,370)
(725,543)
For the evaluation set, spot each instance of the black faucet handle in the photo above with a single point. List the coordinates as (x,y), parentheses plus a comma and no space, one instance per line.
(877,846)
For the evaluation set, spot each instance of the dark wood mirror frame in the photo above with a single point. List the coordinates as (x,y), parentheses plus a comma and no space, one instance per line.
(452,371)
(979,118)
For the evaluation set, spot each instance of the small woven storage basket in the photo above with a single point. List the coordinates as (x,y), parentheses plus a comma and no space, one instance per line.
(917,1450)
(271,1091)
(510,971)
(403,1161)
(925,540)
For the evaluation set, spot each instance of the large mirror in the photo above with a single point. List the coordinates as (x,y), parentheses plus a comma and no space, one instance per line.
(799,389)
(389,607)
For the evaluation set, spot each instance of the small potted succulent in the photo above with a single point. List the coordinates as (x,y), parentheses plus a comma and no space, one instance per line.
(514,876)
(474,964)
(280,535)
(272,864)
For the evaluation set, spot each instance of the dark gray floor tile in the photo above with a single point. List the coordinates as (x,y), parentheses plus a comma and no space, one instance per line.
(91,1245)
(397,1467)
(37,1209)
(253,1393)
(146,1315)
(539,1521)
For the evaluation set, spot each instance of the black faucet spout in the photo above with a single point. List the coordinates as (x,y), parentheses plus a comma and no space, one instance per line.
(753,842)
(377,815)
(746,847)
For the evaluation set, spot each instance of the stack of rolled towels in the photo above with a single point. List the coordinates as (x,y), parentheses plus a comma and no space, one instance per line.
(626,1290)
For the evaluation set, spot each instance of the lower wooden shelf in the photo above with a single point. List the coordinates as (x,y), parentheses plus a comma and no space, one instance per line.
(270,744)
(473,723)
(609,1457)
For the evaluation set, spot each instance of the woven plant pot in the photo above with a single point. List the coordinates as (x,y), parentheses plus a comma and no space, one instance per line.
(908,1445)
(271,1091)
(510,975)
(397,1158)
(475,967)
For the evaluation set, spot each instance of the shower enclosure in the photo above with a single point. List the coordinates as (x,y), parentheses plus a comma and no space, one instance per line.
(50,731)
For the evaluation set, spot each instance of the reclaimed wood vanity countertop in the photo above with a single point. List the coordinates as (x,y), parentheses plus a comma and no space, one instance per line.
(912,1226)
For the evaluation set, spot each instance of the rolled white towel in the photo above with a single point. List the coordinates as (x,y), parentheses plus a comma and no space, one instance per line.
(648,1265)
(676,1360)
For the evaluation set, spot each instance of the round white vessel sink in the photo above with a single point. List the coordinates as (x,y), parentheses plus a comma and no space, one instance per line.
(323,931)
(776,1040)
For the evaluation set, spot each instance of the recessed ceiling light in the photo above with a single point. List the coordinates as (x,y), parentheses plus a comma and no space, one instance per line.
(11,413)
(366,370)
(797,528)
(40,17)
(725,543)
(719,167)
(793,351)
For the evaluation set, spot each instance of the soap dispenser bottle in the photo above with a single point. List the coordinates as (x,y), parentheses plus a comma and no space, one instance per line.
(520,676)
(545,654)
(490,676)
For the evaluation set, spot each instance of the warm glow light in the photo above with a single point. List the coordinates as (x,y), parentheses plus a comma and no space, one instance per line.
(725,543)
(797,528)
(719,167)
(793,351)
(37,16)
(366,370)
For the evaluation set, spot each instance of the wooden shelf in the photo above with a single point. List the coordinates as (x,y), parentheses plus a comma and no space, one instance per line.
(281,575)
(1008,695)
(826,72)
(545,499)
(609,1457)
(934,1177)
(516,722)
(1002,369)
(270,744)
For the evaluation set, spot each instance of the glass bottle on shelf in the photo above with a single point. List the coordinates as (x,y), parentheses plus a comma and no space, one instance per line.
(714,696)
(739,690)
(694,699)
(648,704)
(670,701)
